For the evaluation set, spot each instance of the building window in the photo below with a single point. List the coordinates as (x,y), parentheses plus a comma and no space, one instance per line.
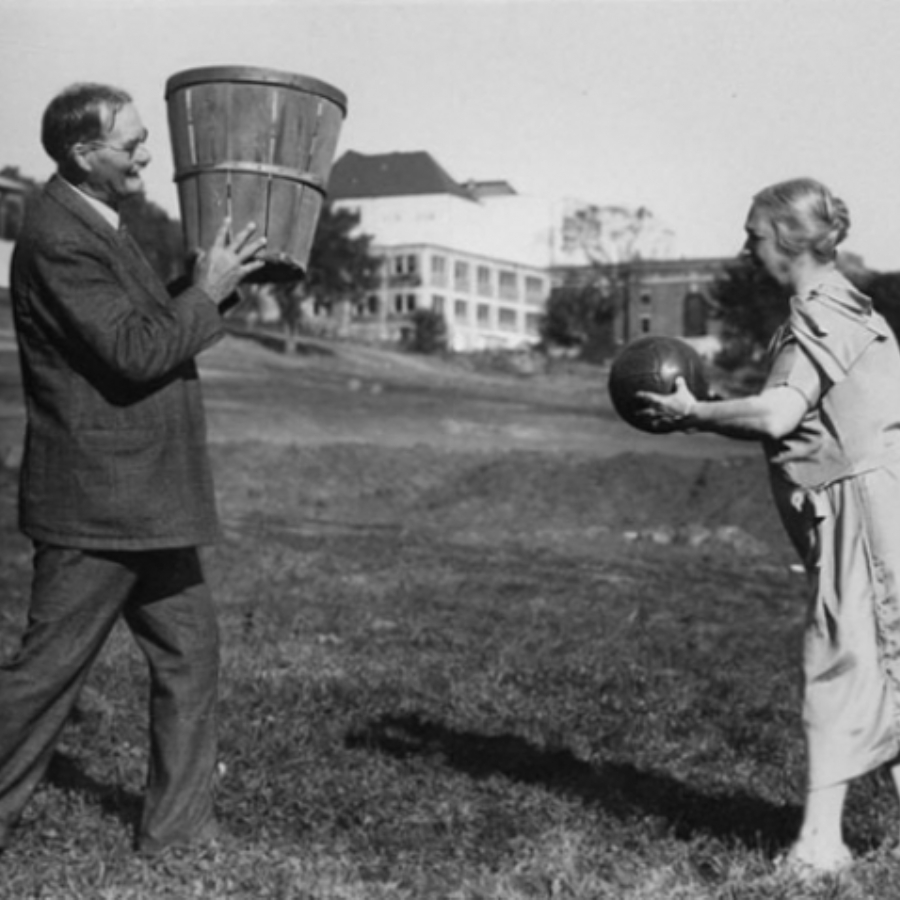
(460,310)
(507,319)
(509,288)
(407,264)
(437,304)
(372,304)
(646,322)
(404,303)
(534,289)
(694,319)
(439,270)
(484,282)
(533,323)
(483,314)
(461,277)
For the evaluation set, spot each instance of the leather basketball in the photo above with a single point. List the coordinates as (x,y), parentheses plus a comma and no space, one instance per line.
(652,364)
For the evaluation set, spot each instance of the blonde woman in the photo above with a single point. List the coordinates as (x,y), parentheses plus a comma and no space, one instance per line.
(829,420)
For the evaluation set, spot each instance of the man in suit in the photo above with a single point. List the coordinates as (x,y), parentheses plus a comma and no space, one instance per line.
(116,491)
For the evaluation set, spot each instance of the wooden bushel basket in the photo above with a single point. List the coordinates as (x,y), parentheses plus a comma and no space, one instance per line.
(255,145)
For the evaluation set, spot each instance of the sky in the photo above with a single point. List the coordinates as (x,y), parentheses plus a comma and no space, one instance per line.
(686,107)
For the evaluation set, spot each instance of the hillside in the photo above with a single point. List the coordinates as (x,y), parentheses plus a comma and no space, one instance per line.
(384,430)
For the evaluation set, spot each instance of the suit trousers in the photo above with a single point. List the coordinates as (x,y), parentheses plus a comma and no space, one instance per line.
(77,597)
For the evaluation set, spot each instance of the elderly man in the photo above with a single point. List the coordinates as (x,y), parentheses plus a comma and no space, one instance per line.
(116,492)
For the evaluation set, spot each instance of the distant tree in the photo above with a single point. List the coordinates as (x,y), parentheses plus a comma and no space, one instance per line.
(884,289)
(580,317)
(340,272)
(429,332)
(341,267)
(289,296)
(751,306)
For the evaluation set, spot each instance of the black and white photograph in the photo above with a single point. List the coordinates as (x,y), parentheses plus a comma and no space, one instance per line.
(449,450)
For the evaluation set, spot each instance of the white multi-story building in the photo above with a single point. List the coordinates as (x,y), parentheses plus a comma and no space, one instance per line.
(442,249)
(479,253)
(486,302)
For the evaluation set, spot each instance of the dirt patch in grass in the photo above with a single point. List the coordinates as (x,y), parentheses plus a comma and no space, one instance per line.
(572,501)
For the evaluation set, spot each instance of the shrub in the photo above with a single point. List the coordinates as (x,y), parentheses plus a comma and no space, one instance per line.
(428,333)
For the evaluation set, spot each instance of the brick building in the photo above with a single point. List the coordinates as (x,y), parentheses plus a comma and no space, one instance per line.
(671,297)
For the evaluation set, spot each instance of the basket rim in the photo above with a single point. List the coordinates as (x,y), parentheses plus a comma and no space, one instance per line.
(255,75)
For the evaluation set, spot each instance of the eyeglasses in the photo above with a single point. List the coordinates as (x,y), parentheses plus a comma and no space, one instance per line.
(130,149)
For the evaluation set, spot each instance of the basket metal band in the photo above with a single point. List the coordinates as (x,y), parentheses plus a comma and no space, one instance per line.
(307,178)
(256,76)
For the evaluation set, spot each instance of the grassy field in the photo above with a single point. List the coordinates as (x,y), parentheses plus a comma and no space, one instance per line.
(481,642)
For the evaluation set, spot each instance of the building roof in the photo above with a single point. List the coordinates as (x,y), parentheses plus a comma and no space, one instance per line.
(11,184)
(356,176)
(490,189)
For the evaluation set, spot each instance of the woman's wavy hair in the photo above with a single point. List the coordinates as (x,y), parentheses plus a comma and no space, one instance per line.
(806,216)
(81,113)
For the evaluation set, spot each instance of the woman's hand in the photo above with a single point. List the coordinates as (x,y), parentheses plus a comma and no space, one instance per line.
(668,412)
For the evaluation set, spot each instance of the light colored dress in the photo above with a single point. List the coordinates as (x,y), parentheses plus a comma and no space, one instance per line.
(836,483)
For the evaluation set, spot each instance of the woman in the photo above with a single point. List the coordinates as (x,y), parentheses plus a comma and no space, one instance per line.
(829,419)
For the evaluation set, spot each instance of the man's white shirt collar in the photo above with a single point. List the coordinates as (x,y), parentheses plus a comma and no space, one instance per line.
(107,212)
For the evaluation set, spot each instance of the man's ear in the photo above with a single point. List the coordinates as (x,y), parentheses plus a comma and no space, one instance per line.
(78,160)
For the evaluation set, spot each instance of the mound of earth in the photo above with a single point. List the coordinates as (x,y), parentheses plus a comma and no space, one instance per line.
(542,498)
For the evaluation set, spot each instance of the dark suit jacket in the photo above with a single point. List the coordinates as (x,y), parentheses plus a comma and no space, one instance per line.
(115,447)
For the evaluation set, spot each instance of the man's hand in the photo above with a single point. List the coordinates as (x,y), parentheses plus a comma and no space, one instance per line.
(221,268)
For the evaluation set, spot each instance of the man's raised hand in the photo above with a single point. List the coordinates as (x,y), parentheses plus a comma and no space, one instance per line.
(221,268)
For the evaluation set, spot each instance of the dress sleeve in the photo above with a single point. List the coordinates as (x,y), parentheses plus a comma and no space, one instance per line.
(792,368)
(834,336)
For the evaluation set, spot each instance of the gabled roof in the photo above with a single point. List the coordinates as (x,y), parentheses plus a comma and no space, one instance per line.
(356,176)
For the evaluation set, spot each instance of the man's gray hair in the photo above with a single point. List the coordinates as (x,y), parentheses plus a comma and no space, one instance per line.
(81,113)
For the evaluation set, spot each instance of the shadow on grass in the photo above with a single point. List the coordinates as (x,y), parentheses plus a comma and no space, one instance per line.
(619,789)
(68,775)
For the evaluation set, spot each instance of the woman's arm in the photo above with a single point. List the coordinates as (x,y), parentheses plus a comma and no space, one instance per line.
(773,413)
